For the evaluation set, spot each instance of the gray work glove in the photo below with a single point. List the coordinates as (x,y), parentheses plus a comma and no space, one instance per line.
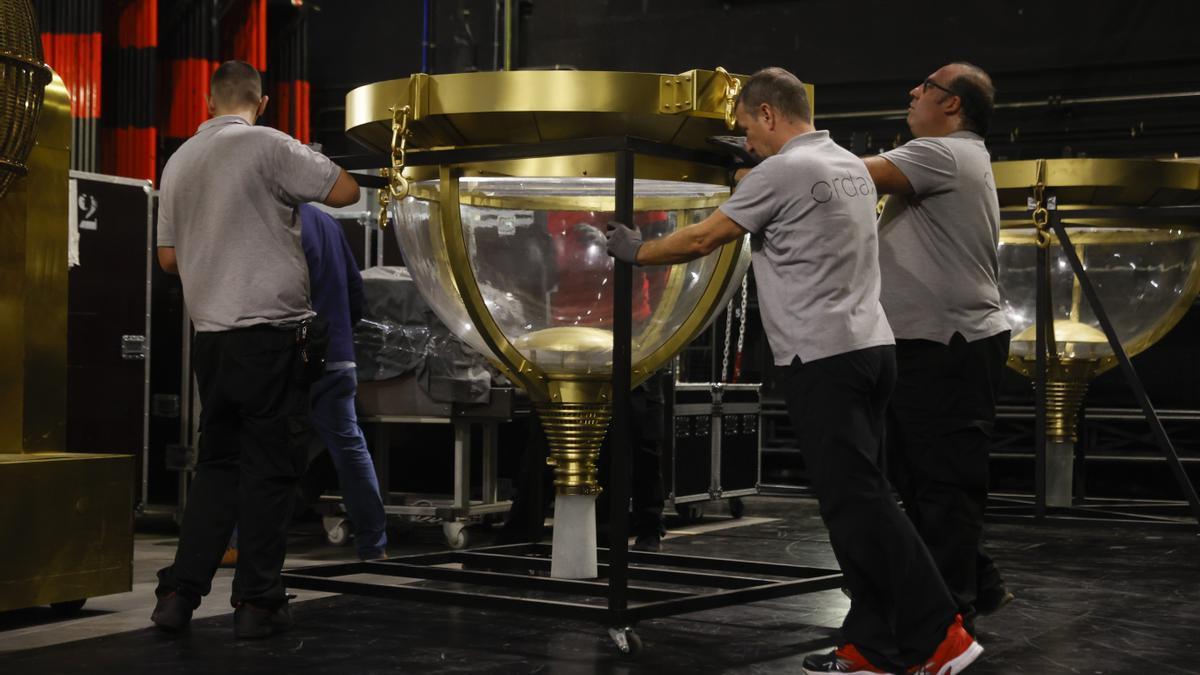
(623,242)
(735,147)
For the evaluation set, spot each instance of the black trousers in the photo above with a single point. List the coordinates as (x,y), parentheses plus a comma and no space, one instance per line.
(254,433)
(899,608)
(939,431)
(647,427)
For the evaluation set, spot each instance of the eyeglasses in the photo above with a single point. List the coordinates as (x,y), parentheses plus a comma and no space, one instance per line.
(930,83)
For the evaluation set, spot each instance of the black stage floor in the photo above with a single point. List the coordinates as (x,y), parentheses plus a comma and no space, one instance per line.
(1089,600)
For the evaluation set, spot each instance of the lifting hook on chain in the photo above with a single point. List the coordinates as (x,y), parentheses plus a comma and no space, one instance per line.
(1041,216)
(397,187)
(733,87)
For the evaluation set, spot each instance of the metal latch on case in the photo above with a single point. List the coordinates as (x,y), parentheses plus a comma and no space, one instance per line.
(133,347)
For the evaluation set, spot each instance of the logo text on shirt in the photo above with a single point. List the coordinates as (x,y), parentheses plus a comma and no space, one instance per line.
(840,187)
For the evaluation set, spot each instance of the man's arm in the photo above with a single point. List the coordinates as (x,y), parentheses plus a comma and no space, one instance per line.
(689,243)
(344,191)
(889,180)
(166,259)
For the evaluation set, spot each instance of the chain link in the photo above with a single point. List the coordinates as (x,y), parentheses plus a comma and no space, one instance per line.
(397,187)
(728,328)
(1041,216)
(741,341)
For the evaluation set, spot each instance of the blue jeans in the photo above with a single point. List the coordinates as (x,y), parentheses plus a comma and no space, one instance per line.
(332,416)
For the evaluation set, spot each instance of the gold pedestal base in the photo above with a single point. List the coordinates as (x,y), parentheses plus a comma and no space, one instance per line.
(1063,401)
(1064,398)
(66,527)
(575,432)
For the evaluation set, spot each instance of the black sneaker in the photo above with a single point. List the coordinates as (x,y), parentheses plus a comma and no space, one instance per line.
(992,600)
(845,660)
(172,612)
(649,542)
(251,622)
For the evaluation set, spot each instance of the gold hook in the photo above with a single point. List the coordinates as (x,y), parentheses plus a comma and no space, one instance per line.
(397,187)
(733,87)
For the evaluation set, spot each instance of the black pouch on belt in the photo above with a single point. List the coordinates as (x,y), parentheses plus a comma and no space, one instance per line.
(312,338)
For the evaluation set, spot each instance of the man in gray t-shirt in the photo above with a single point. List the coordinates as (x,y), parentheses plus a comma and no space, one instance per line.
(938,238)
(227,224)
(809,209)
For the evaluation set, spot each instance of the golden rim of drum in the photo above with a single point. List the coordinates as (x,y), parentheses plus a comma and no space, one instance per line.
(1107,234)
(428,191)
(534,106)
(1100,182)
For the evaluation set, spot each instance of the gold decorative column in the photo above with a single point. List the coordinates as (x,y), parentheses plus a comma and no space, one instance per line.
(66,520)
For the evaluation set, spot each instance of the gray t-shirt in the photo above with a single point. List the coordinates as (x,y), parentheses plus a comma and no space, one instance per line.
(811,212)
(228,206)
(937,247)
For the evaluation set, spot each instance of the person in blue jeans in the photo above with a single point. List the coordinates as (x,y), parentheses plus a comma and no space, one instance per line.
(337,297)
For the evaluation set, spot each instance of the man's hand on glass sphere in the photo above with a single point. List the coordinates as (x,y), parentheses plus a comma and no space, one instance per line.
(623,242)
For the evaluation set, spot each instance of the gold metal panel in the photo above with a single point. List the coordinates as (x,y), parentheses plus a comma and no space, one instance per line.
(33,288)
(66,527)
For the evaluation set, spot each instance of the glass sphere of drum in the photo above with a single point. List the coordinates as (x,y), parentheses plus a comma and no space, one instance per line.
(537,252)
(1146,278)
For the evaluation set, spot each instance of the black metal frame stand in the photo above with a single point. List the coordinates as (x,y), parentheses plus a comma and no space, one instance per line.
(1044,318)
(524,567)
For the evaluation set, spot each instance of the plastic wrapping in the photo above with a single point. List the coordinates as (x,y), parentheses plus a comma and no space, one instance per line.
(400,335)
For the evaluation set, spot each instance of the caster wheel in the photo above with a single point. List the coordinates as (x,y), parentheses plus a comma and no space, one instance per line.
(628,643)
(690,513)
(737,508)
(337,533)
(456,534)
(67,608)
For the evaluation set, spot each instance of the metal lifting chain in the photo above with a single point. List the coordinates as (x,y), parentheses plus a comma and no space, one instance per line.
(397,187)
(741,337)
(741,341)
(733,87)
(725,353)
(1041,216)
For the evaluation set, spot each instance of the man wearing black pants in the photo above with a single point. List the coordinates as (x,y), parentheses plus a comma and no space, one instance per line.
(227,225)
(810,209)
(939,233)
(647,429)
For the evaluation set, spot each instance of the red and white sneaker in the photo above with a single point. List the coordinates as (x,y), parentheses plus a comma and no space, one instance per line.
(957,651)
(845,660)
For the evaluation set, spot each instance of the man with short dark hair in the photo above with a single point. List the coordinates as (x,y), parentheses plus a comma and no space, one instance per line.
(809,207)
(938,238)
(227,225)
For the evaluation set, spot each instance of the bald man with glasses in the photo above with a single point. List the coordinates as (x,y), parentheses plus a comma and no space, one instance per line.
(938,239)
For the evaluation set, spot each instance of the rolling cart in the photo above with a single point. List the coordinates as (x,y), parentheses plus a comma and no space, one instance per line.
(399,401)
(714,448)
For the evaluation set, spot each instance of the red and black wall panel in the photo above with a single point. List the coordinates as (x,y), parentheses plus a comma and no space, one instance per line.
(71,40)
(130,136)
(287,79)
(189,52)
